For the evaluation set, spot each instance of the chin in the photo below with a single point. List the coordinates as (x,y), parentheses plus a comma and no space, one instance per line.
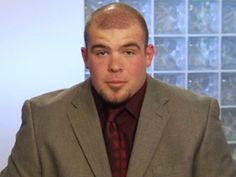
(116,97)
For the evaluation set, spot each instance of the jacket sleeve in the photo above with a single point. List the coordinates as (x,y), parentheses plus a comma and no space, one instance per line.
(24,159)
(213,158)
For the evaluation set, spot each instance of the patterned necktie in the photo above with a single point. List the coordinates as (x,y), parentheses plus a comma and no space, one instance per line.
(117,147)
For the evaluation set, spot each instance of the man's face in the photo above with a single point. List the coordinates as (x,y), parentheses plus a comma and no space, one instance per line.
(117,60)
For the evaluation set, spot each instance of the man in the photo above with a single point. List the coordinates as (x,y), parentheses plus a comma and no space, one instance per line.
(158,129)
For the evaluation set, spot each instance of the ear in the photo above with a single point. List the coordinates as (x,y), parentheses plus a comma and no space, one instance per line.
(150,51)
(85,56)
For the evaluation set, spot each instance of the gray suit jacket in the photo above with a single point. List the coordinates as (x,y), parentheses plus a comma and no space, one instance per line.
(178,135)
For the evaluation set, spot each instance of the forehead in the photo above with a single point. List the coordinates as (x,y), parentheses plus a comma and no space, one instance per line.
(131,33)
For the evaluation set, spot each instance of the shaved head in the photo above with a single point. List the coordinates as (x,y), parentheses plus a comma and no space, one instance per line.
(115,16)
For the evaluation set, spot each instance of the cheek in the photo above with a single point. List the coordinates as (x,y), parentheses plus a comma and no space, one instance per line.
(97,69)
(97,76)
(137,67)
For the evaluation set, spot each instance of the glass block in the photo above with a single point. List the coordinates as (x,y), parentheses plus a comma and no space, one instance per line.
(203,16)
(170,53)
(229,16)
(228,118)
(203,53)
(233,151)
(144,7)
(228,88)
(176,79)
(228,53)
(204,83)
(169,16)
(92,5)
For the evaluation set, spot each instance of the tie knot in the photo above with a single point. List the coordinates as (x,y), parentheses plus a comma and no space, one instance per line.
(112,113)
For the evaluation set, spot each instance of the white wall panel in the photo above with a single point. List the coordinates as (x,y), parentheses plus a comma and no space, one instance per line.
(40,44)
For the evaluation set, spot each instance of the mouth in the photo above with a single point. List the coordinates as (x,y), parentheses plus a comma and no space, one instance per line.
(115,84)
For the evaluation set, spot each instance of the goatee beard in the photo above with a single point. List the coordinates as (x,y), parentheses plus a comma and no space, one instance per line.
(113,100)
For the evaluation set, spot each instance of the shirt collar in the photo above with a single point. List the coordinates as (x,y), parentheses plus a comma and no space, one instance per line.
(134,104)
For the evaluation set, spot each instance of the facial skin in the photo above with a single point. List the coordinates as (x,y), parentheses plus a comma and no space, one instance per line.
(117,61)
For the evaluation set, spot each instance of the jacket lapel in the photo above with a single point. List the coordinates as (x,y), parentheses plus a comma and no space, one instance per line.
(86,125)
(152,121)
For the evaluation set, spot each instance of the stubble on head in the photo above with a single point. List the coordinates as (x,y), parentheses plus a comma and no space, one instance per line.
(115,16)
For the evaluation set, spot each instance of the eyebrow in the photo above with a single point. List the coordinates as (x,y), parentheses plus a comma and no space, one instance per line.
(131,45)
(123,46)
(98,46)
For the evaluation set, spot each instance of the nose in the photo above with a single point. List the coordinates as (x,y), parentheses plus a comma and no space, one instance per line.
(115,64)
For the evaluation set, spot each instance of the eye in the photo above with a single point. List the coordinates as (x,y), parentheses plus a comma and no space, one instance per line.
(129,52)
(101,53)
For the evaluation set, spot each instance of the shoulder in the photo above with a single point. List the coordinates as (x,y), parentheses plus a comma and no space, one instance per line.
(181,99)
(175,92)
(58,98)
(186,109)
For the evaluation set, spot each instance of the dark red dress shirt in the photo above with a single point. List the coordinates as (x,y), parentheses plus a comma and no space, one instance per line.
(127,120)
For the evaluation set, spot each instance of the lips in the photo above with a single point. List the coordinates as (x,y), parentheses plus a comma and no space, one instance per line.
(116,84)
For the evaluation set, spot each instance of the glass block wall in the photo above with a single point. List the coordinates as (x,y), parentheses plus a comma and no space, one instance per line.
(196,48)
